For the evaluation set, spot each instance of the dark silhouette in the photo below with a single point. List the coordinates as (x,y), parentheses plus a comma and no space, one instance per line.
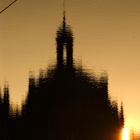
(63,103)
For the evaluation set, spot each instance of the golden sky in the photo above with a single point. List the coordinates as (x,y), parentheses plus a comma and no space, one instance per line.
(107,37)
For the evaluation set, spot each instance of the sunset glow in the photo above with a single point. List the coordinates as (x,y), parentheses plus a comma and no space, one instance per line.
(125,134)
(106,38)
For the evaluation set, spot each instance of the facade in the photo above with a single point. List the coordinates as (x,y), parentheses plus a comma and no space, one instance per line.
(64,103)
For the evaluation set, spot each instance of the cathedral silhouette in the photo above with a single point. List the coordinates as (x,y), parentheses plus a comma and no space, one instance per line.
(64,103)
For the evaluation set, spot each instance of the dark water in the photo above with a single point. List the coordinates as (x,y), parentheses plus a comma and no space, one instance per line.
(64,103)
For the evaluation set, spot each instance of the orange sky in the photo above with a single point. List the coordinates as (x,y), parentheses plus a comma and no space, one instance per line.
(107,37)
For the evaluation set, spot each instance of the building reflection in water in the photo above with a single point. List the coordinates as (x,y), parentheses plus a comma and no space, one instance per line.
(63,103)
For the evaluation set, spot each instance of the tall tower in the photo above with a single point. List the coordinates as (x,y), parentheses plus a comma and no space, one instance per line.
(64,41)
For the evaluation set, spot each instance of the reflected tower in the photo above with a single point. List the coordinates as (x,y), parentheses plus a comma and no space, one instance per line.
(64,42)
(65,102)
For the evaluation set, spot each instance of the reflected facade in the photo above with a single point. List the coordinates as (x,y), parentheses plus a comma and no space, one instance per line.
(64,102)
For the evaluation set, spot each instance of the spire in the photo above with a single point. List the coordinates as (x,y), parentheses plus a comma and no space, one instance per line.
(6,102)
(121,116)
(64,14)
(64,39)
